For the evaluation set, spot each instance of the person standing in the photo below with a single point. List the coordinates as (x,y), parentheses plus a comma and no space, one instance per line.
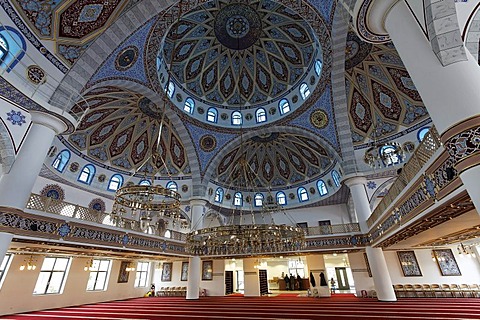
(287,282)
(292,282)
(299,281)
(332,285)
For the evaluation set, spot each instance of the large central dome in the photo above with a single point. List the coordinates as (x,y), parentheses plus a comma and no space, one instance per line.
(235,55)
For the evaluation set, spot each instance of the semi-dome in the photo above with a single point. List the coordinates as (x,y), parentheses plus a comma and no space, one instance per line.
(240,57)
(119,129)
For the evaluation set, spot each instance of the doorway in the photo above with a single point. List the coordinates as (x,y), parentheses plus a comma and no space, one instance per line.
(342,279)
(240,281)
(228,282)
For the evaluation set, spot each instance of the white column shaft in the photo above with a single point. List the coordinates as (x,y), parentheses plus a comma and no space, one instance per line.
(16,186)
(251,280)
(5,240)
(450,93)
(380,274)
(193,284)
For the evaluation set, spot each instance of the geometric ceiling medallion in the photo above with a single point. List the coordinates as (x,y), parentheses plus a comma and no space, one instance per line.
(237,26)
(36,75)
(126,58)
(319,119)
(208,143)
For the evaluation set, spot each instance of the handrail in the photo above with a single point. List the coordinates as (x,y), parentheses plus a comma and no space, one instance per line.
(332,229)
(424,152)
(63,208)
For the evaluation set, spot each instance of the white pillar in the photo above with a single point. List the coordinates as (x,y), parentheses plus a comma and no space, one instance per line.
(251,280)
(5,240)
(16,186)
(198,208)
(193,284)
(360,199)
(449,93)
(381,277)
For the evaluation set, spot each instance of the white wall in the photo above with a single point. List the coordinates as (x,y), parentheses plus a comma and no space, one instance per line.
(360,273)
(16,294)
(214,287)
(470,269)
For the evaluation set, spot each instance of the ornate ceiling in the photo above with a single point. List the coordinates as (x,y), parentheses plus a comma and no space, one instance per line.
(236,54)
(382,99)
(273,160)
(120,129)
(71,24)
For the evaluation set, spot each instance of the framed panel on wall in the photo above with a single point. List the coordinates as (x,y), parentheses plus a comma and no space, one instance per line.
(167,271)
(123,273)
(446,262)
(409,264)
(184,276)
(207,270)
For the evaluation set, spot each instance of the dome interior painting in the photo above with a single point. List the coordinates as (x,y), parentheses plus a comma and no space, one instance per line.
(383,102)
(240,57)
(71,25)
(121,130)
(274,160)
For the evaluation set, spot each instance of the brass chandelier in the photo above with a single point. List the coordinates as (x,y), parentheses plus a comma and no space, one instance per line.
(243,235)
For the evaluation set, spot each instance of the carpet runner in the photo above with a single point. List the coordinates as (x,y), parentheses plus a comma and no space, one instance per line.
(266,308)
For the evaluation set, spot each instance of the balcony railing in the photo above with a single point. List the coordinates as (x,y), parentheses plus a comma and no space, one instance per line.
(424,152)
(332,229)
(66,209)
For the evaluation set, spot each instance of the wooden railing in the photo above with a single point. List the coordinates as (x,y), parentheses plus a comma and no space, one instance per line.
(332,229)
(424,152)
(66,209)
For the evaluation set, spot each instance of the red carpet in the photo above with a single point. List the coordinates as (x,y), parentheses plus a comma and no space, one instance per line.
(267,308)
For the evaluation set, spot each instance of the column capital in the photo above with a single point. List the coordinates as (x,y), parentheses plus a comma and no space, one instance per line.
(198,202)
(369,19)
(49,120)
(354,179)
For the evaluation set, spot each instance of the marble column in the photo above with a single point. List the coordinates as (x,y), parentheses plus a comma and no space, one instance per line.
(193,284)
(360,199)
(194,263)
(251,280)
(450,93)
(5,240)
(16,186)
(380,274)
(198,208)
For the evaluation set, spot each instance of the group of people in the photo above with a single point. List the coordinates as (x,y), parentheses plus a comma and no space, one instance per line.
(292,282)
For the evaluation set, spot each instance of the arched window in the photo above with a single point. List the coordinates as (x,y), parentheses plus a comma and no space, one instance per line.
(219,195)
(3,48)
(261,115)
(171,185)
(284,106)
(61,160)
(302,194)
(87,173)
(281,198)
(189,105)
(238,199)
(145,183)
(336,178)
(421,133)
(170,89)
(390,155)
(304,91)
(212,115)
(322,187)
(167,234)
(318,67)
(236,118)
(115,182)
(13,47)
(258,200)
